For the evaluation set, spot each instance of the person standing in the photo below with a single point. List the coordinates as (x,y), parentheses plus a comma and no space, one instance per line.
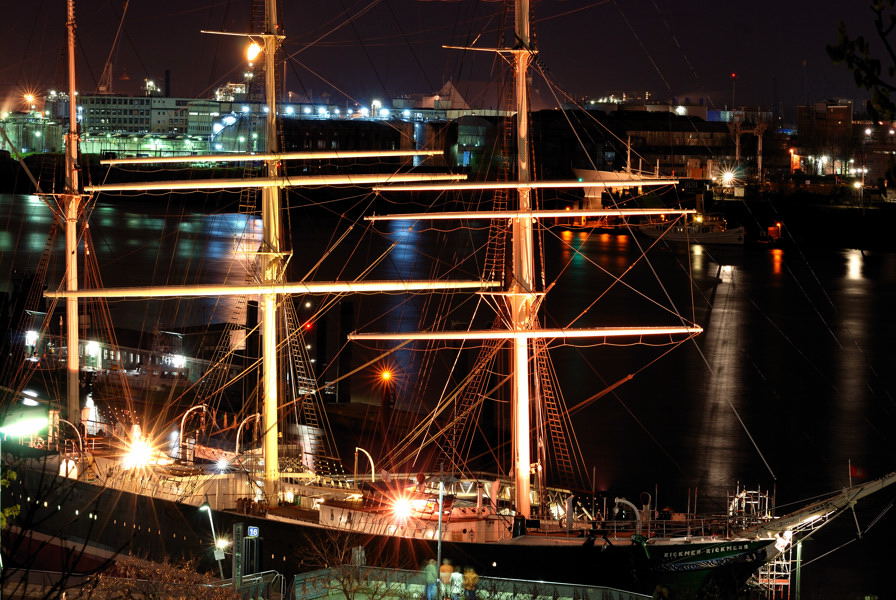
(471,582)
(445,571)
(457,584)
(431,579)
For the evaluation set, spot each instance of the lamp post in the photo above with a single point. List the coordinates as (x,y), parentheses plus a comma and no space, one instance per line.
(218,552)
(441,510)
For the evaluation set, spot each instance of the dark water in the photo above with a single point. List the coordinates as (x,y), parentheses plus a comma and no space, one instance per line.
(791,381)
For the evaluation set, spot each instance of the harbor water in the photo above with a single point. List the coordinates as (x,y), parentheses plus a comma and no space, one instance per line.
(790,388)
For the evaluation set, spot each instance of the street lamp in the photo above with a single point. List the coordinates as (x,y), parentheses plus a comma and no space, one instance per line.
(219,552)
(19,422)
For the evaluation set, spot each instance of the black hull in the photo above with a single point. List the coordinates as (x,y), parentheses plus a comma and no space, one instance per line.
(128,524)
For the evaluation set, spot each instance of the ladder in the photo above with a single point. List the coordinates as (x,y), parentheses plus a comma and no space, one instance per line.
(555,425)
(459,435)
(316,439)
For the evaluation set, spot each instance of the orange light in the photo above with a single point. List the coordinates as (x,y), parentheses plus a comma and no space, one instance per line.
(386,375)
(253,50)
(308,325)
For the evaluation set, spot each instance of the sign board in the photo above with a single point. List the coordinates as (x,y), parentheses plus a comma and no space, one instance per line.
(252,531)
(219,554)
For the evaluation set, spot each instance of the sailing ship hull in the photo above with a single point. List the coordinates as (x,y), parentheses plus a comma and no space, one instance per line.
(112,522)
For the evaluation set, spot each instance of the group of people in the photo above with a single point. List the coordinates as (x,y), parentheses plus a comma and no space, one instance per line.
(447,582)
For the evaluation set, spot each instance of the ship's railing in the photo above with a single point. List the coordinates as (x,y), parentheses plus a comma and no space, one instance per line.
(355,583)
(697,526)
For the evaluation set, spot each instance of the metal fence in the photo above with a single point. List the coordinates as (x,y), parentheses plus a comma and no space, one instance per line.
(372,583)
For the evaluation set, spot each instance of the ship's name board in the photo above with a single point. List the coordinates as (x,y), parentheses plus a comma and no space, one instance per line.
(706,551)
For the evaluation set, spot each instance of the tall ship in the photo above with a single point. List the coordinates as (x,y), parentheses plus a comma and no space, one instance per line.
(146,475)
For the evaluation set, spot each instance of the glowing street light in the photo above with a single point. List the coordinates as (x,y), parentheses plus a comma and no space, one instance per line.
(219,548)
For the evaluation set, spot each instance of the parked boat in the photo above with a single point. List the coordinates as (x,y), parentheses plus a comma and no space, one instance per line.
(700,229)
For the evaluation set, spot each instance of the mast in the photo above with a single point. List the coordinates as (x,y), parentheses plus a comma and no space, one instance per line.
(521,301)
(270,259)
(72,201)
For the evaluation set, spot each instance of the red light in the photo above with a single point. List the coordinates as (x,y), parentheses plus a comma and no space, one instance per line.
(733,75)
(309,325)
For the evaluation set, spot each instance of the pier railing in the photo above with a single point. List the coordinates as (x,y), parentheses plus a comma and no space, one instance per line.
(372,583)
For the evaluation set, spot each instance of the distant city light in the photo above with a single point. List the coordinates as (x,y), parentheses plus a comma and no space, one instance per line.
(244,109)
(307,110)
(290,110)
(867,131)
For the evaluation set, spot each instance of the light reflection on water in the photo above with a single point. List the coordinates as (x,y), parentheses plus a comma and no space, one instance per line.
(800,342)
(142,246)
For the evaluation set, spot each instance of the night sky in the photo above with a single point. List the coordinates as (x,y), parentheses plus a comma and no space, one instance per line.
(675,49)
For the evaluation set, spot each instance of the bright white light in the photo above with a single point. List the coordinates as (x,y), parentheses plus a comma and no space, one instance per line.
(138,455)
(219,146)
(681,110)
(406,114)
(92,349)
(30,402)
(321,110)
(23,427)
(290,110)
(229,120)
(222,543)
(266,109)
(223,464)
(824,159)
(365,112)
(306,110)
(727,178)
(30,338)
(336,111)
(244,109)
(217,128)
(868,131)
(857,185)
(30,393)
(401,508)
(178,361)
(376,105)
(384,112)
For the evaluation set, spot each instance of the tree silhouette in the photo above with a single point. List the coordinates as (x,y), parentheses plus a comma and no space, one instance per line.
(870,72)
